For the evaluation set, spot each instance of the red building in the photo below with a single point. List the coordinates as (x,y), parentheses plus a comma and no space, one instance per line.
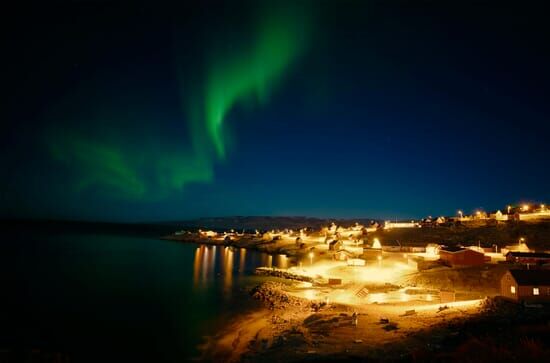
(537,258)
(526,285)
(456,256)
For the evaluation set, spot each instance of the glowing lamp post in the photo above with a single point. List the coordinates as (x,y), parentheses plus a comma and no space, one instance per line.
(521,240)
(311,258)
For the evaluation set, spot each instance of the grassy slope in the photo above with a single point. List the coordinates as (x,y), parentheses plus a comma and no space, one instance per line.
(537,235)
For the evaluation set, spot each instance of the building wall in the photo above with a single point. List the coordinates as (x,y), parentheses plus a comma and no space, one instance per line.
(391,248)
(526,260)
(523,293)
(526,294)
(534,260)
(505,283)
(389,224)
(462,258)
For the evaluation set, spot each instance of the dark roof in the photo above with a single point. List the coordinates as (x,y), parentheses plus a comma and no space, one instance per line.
(392,242)
(531,277)
(529,254)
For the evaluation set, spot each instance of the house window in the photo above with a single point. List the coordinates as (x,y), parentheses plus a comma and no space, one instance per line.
(535,290)
(513,289)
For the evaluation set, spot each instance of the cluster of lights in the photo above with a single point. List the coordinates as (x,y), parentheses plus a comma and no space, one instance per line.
(524,208)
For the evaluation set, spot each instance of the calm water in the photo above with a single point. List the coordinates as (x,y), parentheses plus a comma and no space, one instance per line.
(113,297)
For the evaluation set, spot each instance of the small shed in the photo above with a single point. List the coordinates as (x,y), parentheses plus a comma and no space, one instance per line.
(392,246)
(526,285)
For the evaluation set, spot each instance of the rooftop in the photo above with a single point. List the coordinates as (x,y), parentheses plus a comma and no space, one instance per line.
(529,254)
(458,250)
(453,249)
(531,277)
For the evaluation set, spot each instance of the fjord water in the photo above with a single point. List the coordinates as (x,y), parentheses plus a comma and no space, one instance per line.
(97,297)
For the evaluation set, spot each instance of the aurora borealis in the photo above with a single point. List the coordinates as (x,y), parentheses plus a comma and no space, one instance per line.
(229,78)
(234,78)
(147,112)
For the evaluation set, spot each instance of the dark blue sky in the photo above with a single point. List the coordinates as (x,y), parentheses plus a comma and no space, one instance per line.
(375,111)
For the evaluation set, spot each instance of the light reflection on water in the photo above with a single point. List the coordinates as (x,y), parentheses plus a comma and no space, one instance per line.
(212,262)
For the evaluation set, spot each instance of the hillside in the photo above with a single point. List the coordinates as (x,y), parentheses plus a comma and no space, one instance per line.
(537,235)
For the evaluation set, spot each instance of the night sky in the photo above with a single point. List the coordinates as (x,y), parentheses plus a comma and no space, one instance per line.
(142,112)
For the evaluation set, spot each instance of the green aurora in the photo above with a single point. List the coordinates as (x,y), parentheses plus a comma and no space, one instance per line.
(235,78)
(107,159)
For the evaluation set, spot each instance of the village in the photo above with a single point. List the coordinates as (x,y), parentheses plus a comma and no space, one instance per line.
(364,288)
(323,254)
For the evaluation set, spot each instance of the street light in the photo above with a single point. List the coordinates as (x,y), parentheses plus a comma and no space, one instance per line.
(460,214)
(379,260)
(311,258)
(521,240)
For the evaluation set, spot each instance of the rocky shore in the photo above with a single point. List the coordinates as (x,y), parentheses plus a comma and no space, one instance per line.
(275,272)
(292,329)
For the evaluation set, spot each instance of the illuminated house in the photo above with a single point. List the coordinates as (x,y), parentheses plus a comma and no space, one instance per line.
(520,247)
(342,255)
(390,224)
(207,234)
(499,216)
(372,227)
(480,215)
(457,256)
(526,285)
(432,249)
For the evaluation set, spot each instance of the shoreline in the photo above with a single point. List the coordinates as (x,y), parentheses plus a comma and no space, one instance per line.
(292,328)
(256,244)
(385,309)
